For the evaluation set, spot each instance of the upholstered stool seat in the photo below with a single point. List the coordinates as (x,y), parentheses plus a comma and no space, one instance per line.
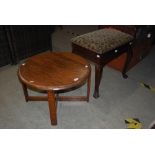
(103,40)
(102,46)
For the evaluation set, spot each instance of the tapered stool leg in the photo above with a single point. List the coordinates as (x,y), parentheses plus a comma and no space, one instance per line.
(98,75)
(128,60)
(88,86)
(52,107)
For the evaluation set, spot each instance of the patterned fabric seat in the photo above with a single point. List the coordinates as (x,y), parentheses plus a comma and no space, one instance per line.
(101,41)
(94,45)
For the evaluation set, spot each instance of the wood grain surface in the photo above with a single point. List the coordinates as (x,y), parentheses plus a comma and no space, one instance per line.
(54,71)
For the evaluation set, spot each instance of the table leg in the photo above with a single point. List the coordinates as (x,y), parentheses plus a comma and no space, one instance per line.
(25,92)
(52,107)
(98,75)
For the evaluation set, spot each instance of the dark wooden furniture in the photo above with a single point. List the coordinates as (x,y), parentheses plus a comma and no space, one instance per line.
(18,42)
(28,40)
(5,57)
(54,72)
(104,56)
(144,37)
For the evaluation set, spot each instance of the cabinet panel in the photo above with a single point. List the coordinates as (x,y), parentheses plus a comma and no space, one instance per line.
(29,40)
(22,41)
(4,48)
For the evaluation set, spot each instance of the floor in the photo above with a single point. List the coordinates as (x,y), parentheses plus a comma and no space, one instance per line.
(119,98)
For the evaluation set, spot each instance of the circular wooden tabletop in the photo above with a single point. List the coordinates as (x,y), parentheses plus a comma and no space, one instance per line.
(54,71)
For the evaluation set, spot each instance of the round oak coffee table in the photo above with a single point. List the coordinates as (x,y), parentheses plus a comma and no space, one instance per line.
(54,72)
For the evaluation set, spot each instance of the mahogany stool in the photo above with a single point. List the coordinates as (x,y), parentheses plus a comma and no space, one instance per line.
(101,47)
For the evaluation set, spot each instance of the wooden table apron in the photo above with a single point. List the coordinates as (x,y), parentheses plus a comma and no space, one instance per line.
(54,72)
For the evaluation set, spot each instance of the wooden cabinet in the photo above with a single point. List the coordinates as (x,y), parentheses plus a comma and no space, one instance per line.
(144,38)
(18,42)
(28,40)
(4,48)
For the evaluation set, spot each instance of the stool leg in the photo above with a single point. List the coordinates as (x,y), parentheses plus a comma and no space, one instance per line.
(52,107)
(88,86)
(25,92)
(98,75)
(128,59)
